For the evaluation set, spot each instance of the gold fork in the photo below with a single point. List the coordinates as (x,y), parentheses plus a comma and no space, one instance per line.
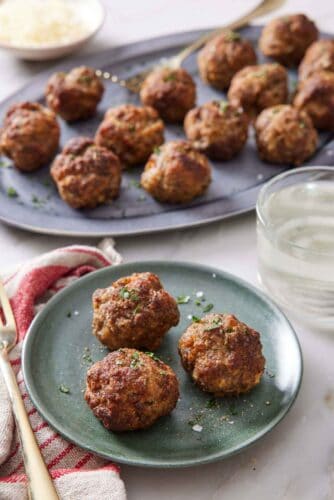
(40,486)
(134,82)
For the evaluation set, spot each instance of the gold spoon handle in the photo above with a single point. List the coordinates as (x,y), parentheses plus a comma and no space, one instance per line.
(40,485)
(262,9)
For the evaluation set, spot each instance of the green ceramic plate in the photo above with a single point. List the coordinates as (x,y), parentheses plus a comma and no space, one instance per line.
(60,347)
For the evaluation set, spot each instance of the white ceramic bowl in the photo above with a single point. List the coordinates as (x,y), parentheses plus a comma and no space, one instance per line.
(92,13)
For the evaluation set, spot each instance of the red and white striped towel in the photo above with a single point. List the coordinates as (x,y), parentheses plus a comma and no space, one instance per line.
(78,475)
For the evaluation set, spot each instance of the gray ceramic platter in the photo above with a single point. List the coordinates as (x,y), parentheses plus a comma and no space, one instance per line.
(60,348)
(37,206)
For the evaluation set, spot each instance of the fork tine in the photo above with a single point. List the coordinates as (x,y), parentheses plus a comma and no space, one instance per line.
(6,307)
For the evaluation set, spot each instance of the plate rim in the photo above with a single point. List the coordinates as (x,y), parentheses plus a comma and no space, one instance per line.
(31,389)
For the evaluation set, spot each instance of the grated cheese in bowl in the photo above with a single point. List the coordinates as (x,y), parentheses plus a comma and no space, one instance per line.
(36,23)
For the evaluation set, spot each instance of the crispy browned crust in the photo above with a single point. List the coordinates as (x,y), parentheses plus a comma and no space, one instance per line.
(222,57)
(286,39)
(255,88)
(30,135)
(135,311)
(315,95)
(217,129)
(176,173)
(222,355)
(171,92)
(131,132)
(86,175)
(74,95)
(285,135)
(318,57)
(129,390)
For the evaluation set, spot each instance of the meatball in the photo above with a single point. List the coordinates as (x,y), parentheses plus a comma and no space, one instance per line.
(285,135)
(129,390)
(135,311)
(172,92)
(30,135)
(222,57)
(217,129)
(319,56)
(315,95)
(74,95)
(255,88)
(222,355)
(286,39)
(131,132)
(176,173)
(86,175)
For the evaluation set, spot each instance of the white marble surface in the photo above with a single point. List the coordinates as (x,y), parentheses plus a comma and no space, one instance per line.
(296,461)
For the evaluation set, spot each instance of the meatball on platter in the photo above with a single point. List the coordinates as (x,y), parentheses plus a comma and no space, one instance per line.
(224,369)
(133,126)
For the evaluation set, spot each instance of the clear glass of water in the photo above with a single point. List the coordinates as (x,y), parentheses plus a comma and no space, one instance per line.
(295,237)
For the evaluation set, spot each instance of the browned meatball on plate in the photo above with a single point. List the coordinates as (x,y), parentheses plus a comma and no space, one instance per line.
(135,311)
(286,39)
(129,390)
(131,132)
(222,57)
(255,88)
(30,135)
(222,355)
(315,95)
(319,56)
(217,129)
(171,92)
(176,173)
(86,175)
(285,135)
(74,95)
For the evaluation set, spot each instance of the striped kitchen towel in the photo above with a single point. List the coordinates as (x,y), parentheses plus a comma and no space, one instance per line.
(78,475)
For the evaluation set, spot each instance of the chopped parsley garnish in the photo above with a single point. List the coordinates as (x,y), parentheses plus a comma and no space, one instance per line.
(85,79)
(223,105)
(135,361)
(233,36)
(36,200)
(260,74)
(63,388)
(195,420)
(135,183)
(12,193)
(87,355)
(233,409)
(211,403)
(198,302)
(216,323)
(137,309)
(195,319)
(128,294)
(170,78)
(153,356)
(208,308)
(4,164)
(156,150)
(69,314)
(302,124)
(183,299)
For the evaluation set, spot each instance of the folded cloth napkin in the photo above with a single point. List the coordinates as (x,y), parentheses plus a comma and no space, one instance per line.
(78,475)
